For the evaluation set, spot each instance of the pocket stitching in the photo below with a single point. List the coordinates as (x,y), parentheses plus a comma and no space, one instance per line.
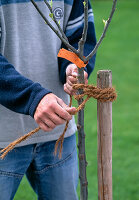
(11,174)
(55,165)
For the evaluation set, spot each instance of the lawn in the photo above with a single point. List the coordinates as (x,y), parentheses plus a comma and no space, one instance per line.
(119,53)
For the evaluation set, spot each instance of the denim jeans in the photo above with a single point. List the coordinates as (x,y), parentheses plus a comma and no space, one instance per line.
(50,178)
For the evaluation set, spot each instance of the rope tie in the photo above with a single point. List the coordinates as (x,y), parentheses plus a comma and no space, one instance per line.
(102,95)
(5,151)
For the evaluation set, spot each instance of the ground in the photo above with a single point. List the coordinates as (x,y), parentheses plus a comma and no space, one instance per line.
(119,52)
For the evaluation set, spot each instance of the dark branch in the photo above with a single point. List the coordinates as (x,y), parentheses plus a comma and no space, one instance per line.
(84,34)
(63,37)
(56,22)
(56,32)
(104,32)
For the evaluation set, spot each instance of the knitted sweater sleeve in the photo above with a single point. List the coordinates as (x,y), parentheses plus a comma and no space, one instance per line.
(74,31)
(18,93)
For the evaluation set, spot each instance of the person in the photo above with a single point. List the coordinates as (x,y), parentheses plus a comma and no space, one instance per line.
(34,88)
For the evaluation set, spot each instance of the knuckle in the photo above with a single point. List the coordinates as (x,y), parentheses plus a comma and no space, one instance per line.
(37,118)
(66,90)
(41,117)
(71,78)
(67,116)
(44,128)
(60,101)
(59,121)
(41,113)
(50,106)
(68,87)
(52,126)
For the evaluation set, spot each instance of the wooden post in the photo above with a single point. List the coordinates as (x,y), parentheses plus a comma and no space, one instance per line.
(104,118)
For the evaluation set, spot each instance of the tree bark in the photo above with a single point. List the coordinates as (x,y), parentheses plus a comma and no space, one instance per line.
(104,117)
(81,145)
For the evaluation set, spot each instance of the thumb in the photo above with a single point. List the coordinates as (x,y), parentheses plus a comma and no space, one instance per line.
(74,71)
(71,110)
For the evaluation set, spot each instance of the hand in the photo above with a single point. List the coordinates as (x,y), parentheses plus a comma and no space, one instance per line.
(71,78)
(52,111)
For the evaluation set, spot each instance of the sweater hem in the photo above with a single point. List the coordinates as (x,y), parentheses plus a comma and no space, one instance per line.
(39,139)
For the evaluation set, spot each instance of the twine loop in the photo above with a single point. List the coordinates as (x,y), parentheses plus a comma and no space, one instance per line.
(102,95)
(91,91)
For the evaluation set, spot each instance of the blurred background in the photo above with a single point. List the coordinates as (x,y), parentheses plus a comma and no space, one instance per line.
(119,52)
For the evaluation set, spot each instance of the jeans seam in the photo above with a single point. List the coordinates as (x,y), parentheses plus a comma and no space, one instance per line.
(11,174)
(55,165)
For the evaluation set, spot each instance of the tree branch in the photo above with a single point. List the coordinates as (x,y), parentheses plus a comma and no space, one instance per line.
(63,38)
(104,32)
(56,32)
(58,26)
(84,34)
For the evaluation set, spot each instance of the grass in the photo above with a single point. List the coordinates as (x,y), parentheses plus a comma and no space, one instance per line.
(119,52)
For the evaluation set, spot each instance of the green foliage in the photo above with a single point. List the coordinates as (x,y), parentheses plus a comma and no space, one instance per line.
(119,52)
(51,15)
(104,22)
(84,3)
(51,3)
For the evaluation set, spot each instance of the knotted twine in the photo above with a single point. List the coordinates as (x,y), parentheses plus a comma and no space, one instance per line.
(102,95)
(91,91)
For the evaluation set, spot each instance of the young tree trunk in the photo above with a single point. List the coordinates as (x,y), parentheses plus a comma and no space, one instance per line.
(81,145)
(104,117)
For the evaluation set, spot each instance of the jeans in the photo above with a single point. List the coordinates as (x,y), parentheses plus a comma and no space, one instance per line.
(50,177)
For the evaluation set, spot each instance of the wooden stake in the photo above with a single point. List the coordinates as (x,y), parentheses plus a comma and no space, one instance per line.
(104,118)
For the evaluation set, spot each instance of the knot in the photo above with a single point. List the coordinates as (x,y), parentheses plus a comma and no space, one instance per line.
(102,95)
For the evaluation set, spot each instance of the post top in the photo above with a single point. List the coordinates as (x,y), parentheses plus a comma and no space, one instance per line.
(104,71)
(104,78)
